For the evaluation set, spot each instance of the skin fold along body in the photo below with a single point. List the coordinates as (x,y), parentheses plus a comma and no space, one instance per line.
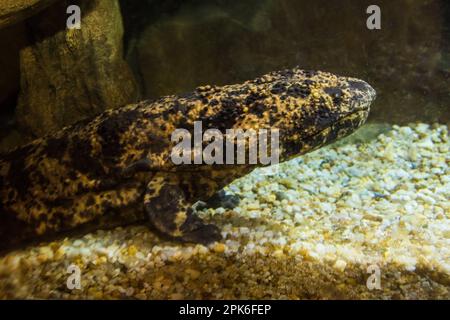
(118,169)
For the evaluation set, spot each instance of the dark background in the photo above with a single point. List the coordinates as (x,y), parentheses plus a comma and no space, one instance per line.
(174,46)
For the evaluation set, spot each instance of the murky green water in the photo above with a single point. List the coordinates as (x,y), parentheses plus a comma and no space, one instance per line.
(179,45)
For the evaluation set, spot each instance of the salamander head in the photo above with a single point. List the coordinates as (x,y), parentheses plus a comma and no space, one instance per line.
(310,108)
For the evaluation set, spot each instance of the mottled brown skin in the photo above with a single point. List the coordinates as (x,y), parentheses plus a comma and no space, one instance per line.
(117,166)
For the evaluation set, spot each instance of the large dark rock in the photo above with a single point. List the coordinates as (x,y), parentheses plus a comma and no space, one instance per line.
(67,75)
(12,39)
(13,11)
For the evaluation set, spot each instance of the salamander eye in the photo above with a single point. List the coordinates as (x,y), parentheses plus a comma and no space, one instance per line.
(335,93)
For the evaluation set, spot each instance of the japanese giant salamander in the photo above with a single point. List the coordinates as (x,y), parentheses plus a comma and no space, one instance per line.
(116,168)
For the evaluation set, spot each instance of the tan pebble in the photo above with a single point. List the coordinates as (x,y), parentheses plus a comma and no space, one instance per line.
(373,217)
(412,153)
(253,206)
(194,274)
(278,253)
(288,183)
(132,250)
(220,248)
(101,260)
(42,258)
(141,296)
(176,296)
(60,253)
(340,265)
(95,294)
(129,292)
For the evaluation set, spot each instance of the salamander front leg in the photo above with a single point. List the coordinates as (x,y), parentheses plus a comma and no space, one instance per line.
(170,213)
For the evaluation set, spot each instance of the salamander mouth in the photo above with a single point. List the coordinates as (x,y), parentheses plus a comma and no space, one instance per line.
(341,128)
(344,126)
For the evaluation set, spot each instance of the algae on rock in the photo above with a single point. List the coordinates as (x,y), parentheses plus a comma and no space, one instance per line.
(13,11)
